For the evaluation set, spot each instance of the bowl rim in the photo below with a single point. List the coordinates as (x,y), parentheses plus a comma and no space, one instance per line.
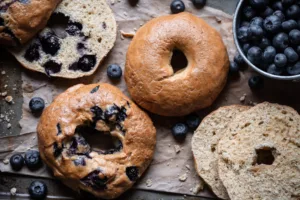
(237,44)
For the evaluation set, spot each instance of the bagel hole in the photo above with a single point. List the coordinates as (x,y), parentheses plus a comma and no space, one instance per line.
(178,61)
(265,156)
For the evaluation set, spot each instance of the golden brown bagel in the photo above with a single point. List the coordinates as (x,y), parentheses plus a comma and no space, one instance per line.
(150,77)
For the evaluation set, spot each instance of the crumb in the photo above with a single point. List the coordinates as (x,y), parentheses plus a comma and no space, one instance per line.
(8,125)
(188,167)
(13,191)
(141,24)
(169,145)
(3,72)
(177,148)
(218,20)
(183,177)
(197,188)
(242,99)
(149,183)
(9,99)
(3,94)
(5,86)
(1,116)
(5,161)
(135,29)
(127,34)
(168,164)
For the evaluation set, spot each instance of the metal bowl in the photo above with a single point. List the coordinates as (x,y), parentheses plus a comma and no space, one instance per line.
(236,23)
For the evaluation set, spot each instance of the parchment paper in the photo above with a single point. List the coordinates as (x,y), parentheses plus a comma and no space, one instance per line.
(167,165)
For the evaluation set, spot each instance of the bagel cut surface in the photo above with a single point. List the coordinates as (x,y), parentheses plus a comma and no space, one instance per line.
(151,80)
(98,110)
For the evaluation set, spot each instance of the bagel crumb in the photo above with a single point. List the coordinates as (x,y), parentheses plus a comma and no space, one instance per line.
(4,94)
(149,183)
(9,99)
(127,34)
(188,167)
(183,177)
(13,191)
(177,148)
(5,161)
(197,188)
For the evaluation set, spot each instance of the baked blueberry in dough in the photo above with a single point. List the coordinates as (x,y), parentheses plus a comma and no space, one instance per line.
(78,36)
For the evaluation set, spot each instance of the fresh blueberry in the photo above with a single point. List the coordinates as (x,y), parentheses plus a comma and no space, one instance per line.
(287,3)
(36,105)
(291,54)
(193,121)
(272,24)
(265,42)
(294,69)
(269,54)
(280,60)
(277,5)
(256,82)
(16,162)
(177,6)
(32,53)
(258,21)
(245,23)
(281,41)
(254,55)
(86,63)
(50,42)
(246,47)
(293,12)
(234,68)
(74,28)
(199,3)
(294,36)
(255,32)
(289,25)
(132,173)
(114,71)
(179,131)
(272,69)
(239,59)
(279,14)
(259,4)
(52,67)
(33,159)
(249,12)
(37,190)
(242,34)
(267,12)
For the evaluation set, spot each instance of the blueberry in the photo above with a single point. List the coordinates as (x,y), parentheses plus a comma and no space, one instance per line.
(287,3)
(272,69)
(254,55)
(258,4)
(95,89)
(36,105)
(193,121)
(269,54)
(265,42)
(79,161)
(179,131)
(291,54)
(98,113)
(272,24)
(281,41)
(199,3)
(255,32)
(86,63)
(80,46)
(294,69)
(112,110)
(114,71)
(245,23)
(277,5)
(234,68)
(294,36)
(279,14)
(93,180)
(289,25)
(293,12)
(258,21)
(32,53)
(74,28)
(280,60)
(52,67)
(58,127)
(57,150)
(177,6)
(267,12)
(239,59)
(246,47)
(256,82)
(33,159)
(132,173)
(37,190)
(249,12)
(50,42)
(242,34)
(16,162)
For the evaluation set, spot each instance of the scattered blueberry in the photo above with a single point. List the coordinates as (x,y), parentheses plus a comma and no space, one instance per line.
(242,34)
(86,63)
(246,47)
(249,12)
(258,21)
(272,24)
(255,32)
(258,4)
(293,12)
(234,68)
(281,41)
(32,53)
(272,69)
(37,190)
(280,60)
(16,162)
(291,55)
(50,42)
(193,121)
(74,28)
(289,25)
(177,6)
(269,54)
(114,71)
(254,55)
(36,105)
(267,12)
(33,159)
(277,5)
(239,59)
(52,67)
(132,173)
(294,69)
(294,37)
(179,131)
(199,3)
(264,43)
(256,82)
(279,14)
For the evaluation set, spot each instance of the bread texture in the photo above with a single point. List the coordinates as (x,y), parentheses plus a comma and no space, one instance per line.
(204,145)
(96,109)
(21,20)
(151,80)
(77,49)
(259,154)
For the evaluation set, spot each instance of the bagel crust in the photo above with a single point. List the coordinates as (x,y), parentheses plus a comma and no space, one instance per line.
(96,109)
(150,77)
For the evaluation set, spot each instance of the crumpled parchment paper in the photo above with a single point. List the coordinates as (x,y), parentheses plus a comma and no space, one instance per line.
(167,165)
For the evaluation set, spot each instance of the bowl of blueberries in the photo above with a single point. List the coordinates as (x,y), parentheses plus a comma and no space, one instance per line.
(267,36)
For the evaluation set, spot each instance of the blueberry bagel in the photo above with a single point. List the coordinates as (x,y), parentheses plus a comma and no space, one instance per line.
(20,20)
(149,75)
(96,109)
(78,36)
